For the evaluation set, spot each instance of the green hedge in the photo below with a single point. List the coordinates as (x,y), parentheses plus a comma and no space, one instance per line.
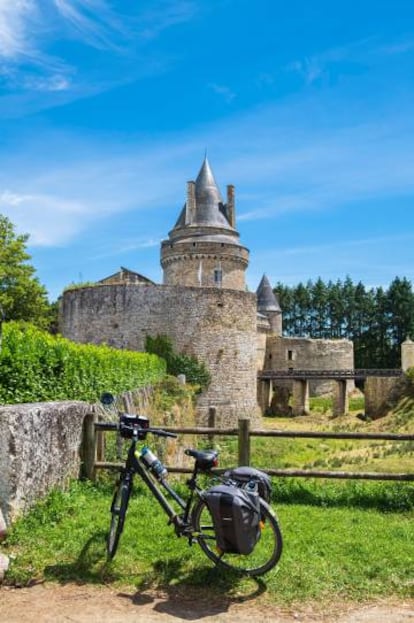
(36,366)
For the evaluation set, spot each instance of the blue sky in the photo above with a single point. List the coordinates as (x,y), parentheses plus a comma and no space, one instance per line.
(107,107)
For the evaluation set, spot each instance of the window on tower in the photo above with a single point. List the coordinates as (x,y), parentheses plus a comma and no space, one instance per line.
(218,277)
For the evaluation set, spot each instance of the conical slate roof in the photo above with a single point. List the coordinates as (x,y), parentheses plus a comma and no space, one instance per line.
(209,205)
(266,298)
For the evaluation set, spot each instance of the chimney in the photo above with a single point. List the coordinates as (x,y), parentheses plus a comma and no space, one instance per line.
(190,205)
(230,205)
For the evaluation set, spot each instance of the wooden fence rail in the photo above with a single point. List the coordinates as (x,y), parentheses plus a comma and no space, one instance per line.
(94,448)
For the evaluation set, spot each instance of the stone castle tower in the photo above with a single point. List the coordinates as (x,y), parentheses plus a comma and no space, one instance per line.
(203,248)
(203,306)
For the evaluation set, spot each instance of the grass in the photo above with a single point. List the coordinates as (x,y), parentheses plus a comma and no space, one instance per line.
(331,454)
(341,540)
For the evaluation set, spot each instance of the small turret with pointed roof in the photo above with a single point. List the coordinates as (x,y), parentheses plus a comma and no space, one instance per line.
(203,248)
(266,298)
(268,305)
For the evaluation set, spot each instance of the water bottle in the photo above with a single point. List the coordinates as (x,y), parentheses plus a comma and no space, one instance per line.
(153,462)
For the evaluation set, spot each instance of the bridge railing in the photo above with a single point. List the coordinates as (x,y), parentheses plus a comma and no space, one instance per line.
(328,374)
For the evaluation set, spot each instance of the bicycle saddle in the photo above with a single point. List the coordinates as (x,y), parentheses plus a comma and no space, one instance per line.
(205,459)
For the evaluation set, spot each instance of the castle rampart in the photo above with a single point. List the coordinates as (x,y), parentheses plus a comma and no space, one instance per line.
(216,325)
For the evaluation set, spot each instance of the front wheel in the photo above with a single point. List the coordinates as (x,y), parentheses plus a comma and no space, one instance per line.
(118,511)
(265,554)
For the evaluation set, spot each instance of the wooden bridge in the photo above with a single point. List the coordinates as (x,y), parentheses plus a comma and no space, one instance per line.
(381,381)
(291,373)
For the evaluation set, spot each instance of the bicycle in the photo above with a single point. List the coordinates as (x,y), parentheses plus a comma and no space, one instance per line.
(193,520)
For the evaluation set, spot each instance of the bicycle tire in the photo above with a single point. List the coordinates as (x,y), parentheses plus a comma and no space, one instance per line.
(119,507)
(265,555)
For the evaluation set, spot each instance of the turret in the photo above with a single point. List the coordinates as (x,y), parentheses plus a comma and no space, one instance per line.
(407,354)
(203,248)
(268,305)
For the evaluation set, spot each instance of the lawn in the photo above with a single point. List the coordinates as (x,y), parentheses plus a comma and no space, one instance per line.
(349,540)
(345,540)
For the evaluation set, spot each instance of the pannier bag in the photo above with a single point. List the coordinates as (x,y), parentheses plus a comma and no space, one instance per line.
(236,516)
(251,478)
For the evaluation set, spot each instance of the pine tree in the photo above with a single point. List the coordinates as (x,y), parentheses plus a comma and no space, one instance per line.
(376,321)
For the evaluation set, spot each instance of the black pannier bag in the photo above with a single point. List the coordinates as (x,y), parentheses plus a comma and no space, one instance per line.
(236,517)
(249,477)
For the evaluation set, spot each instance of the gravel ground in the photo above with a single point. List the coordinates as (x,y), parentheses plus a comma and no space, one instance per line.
(53,603)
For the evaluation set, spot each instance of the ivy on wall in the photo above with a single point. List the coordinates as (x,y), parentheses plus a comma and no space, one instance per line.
(196,372)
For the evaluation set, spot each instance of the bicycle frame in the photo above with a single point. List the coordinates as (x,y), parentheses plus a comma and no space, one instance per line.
(135,466)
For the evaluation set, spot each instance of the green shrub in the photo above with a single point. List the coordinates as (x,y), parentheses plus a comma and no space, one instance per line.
(36,366)
(196,372)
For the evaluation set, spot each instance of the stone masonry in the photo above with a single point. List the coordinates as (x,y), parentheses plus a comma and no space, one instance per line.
(283,353)
(215,325)
(39,449)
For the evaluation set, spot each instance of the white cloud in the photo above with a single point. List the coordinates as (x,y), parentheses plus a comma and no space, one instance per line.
(325,169)
(28,29)
(94,21)
(311,69)
(279,161)
(24,63)
(225,92)
(50,220)
(167,13)
(15,18)
(56,201)
(364,52)
(126,246)
(55,82)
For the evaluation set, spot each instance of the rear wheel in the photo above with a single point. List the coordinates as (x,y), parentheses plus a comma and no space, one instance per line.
(118,510)
(265,554)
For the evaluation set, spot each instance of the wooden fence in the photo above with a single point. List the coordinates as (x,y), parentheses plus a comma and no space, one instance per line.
(94,448)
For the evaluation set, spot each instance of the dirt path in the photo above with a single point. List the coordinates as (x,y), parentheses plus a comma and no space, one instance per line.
(51,603)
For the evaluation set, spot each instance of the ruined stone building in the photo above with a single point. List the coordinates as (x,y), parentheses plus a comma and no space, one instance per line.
(203,305)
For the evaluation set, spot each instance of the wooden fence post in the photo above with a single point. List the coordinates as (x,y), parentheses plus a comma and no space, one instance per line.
(89,446)
(244,441)
(211,422)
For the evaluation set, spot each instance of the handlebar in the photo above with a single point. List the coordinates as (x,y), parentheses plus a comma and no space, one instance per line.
(160,432)
(119,426)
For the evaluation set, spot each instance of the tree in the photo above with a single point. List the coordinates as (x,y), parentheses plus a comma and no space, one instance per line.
(335,305)
(22,297)
(376,321)
(400,311)
(319,309)
(302,308)
(285,297)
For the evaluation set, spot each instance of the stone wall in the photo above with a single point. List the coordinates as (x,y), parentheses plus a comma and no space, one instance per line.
(39,449)
(306,353)
(380,395)
(310,354)
(186,264)
(215,325)
(263,331)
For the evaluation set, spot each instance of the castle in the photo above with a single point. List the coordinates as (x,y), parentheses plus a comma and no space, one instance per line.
(203,306)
